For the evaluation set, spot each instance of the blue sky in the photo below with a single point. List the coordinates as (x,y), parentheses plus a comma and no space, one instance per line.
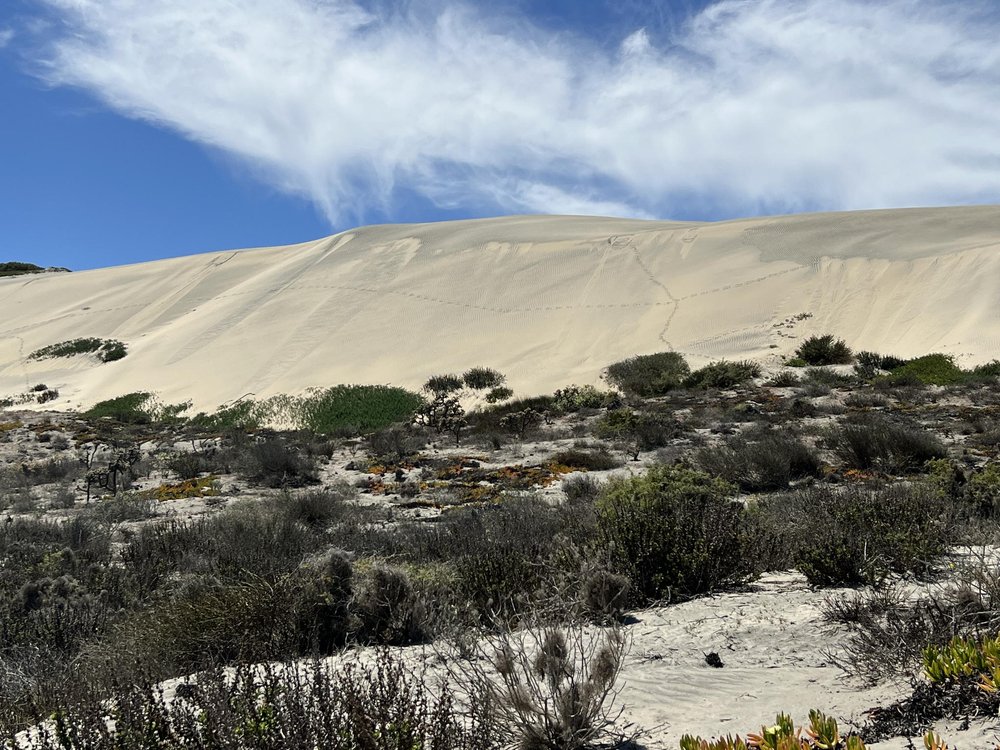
(139,129)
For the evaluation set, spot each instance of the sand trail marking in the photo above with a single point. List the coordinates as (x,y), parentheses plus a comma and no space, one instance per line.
(628,242)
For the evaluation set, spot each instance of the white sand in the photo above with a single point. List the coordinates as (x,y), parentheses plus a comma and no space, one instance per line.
(547,300)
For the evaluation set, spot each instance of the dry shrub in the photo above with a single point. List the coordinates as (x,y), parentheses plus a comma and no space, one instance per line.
(550,688)
(856,534)
(760,460)
(890,624)
(373,705)
(873,441)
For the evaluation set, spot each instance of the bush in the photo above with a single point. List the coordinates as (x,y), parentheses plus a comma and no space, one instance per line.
(132,408)
(106,350)
(443,384)
(556,689)
(498,394)
(391,612)
(482,378)
(760,460)
(354,409)
(722,374)
(594,460)
(396,442)
(637,431)
(783,379)
(869,364)
(581,489)
(824,350)
(573,398)
(648,375)
(673,532)
(875,442)
(274,463)
(379,704)
(931,369)
(857,534)
(606,595)
(317,508)
(984,490)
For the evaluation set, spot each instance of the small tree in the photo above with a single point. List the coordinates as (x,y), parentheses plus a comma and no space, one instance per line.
(444,412)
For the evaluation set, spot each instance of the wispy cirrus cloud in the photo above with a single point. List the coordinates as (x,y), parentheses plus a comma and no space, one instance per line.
(769,105)
(6,36)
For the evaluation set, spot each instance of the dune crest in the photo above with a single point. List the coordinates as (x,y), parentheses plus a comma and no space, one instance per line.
(548,300)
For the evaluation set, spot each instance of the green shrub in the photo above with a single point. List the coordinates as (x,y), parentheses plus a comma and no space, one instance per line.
(648,375)
(132,408)
(931,369)
(986,372)
(136,408)
(581,489)
(984,490)
(637,431)
(722,374)
(825,377)
(875,442)
(824,350)
(356,408)
(106,350)
(573,398)
(606,594)
(783,379)
(857,534)
(760,460)
(673,532)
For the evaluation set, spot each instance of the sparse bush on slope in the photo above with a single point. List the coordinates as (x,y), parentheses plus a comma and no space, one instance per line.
(106,350)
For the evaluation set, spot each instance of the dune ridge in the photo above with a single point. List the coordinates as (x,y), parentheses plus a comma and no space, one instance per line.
(548,300)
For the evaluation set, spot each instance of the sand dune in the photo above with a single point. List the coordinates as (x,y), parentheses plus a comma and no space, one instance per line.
(547,300)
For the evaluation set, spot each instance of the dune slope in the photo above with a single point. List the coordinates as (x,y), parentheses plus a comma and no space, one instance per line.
(548,300)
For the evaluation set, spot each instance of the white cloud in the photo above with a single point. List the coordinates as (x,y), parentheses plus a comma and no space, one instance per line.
(6,36)
(753,105)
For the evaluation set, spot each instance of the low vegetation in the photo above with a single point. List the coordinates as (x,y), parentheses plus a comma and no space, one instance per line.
(17,268)
(106,350)
(146,544)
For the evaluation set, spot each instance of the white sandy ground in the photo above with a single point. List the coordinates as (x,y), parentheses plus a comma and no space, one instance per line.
(548,300)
